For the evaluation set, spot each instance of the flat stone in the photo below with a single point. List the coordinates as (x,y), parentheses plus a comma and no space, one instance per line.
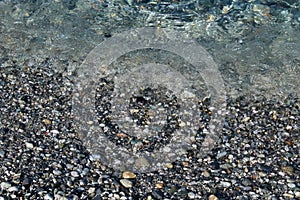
(13,189)
(126,183)
(57,172)
(221,154)
(288,195)
(128,174)
(74,174)
(291,185)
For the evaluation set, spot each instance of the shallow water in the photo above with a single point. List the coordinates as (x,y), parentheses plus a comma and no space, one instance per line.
(262,58)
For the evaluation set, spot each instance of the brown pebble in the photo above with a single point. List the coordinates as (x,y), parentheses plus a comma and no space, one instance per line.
(121,135)
(159,185)
(47,121)
(128,174)
(169,165)
(288,170)
(185,164)
(212,197)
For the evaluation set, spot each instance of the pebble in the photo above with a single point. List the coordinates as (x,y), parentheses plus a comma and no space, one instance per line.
(48,197)
(225,184)
(159,185)
(191,195)
(5,185)
(169,165)
(2,153)
(57,172)
(206,173)
(212,197)
(47,121)
(291,185)
(288,169)
(128,174)
(13,189)
(74,174)
(29,145)
(91,190)
(287,195)
(126,183)
(221,154)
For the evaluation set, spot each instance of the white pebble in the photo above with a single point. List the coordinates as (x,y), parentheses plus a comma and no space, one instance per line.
(126,183)
(225,184)
(191,195)
(29,145)
(5,185)
(13,189)
(74,174)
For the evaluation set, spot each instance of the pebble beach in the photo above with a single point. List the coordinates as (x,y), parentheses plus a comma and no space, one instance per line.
(255,45)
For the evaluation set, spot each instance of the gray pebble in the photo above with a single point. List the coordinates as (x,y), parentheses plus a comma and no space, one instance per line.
(2,153)
(221,154)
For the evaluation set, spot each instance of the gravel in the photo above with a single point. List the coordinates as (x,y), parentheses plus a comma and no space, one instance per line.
(256,156)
